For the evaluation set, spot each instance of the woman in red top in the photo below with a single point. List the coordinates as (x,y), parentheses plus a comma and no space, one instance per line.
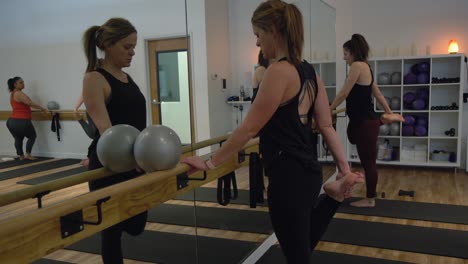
(19,124)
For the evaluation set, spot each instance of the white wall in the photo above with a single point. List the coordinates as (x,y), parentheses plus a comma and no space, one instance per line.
(42,43)
(400,23)
(218,44)
(197,31)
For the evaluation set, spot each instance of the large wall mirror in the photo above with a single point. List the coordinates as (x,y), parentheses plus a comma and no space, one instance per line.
(231,55)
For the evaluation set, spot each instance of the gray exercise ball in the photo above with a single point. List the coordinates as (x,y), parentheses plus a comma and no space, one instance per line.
(157,148)
(396,78)
(384,78)
(395,129)
(384,130)
(115,148)
(53,105)
(395,103)
(380,107)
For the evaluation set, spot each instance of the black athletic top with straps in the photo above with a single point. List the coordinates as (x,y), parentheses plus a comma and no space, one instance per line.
(284,132)
(359,104)
(126,104)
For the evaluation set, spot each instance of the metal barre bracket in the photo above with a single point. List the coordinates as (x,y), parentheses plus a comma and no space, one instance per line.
(39,196)
(241,156)
(73,223)
(183,179)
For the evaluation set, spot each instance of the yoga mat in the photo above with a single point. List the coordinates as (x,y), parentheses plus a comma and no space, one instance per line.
(434,241)
(275,256)
(433,212)
(49,261)
(54,176)
(37,168)
(17,162)
(206,194)
(215,218)
(163,247)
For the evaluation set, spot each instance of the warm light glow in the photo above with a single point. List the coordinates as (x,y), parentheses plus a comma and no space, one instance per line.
(453,47)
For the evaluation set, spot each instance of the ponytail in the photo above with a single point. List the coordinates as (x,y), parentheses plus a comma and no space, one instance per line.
(11,83)
(90,43)
(358,47)
(294,33)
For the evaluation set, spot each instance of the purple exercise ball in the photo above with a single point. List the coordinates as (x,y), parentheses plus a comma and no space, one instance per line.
(409,120)
(423,78)
(423,93)
(419,104)
(414,69)
(410,78)
(421,121)
(420,131)
(409,97)
(407,131)
(423,67)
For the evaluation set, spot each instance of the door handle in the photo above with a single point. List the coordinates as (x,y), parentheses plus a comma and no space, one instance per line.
(156,102)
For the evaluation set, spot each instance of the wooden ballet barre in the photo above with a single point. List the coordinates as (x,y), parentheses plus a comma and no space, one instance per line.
(205,143)
(68,115)
(337,111)
(32,235)
(33,191)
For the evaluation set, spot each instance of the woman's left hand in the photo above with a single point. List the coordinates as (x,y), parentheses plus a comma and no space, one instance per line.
(196,163)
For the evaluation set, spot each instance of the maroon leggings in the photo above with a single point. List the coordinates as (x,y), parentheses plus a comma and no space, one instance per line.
(364,135)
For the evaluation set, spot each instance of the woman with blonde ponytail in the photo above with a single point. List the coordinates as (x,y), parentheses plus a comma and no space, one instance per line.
(290,95)
(111,97)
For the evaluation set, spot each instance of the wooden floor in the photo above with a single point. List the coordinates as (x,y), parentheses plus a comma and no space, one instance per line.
(430,185)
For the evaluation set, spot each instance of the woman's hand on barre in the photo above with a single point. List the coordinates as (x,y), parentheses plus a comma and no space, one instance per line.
(196,163)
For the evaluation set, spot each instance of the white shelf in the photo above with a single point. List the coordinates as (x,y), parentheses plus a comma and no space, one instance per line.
(445,111)
(327,72)
(239,102)
(444,84)
(389,85)
(438,121)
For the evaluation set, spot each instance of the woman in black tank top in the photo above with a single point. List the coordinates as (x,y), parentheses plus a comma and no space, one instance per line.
(364,123)
(290,95)
(258,74)
(112,97)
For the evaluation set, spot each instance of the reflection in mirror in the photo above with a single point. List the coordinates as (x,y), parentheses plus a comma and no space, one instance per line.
(231,57)
(174,92)
(43,45)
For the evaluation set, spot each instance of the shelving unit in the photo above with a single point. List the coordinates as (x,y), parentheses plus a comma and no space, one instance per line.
(327,72)
(434,113)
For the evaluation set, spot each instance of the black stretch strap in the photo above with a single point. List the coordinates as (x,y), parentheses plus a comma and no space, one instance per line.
(55,127)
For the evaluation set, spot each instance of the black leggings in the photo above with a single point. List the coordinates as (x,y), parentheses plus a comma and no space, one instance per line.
(111,249)
(364,134)
(21,128)
(299,217)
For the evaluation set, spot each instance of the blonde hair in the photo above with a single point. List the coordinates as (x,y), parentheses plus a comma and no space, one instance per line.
(104,36)
(288,22)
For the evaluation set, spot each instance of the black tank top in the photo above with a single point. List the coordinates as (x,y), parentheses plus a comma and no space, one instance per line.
(125,105)
(285,132)
(359,104)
